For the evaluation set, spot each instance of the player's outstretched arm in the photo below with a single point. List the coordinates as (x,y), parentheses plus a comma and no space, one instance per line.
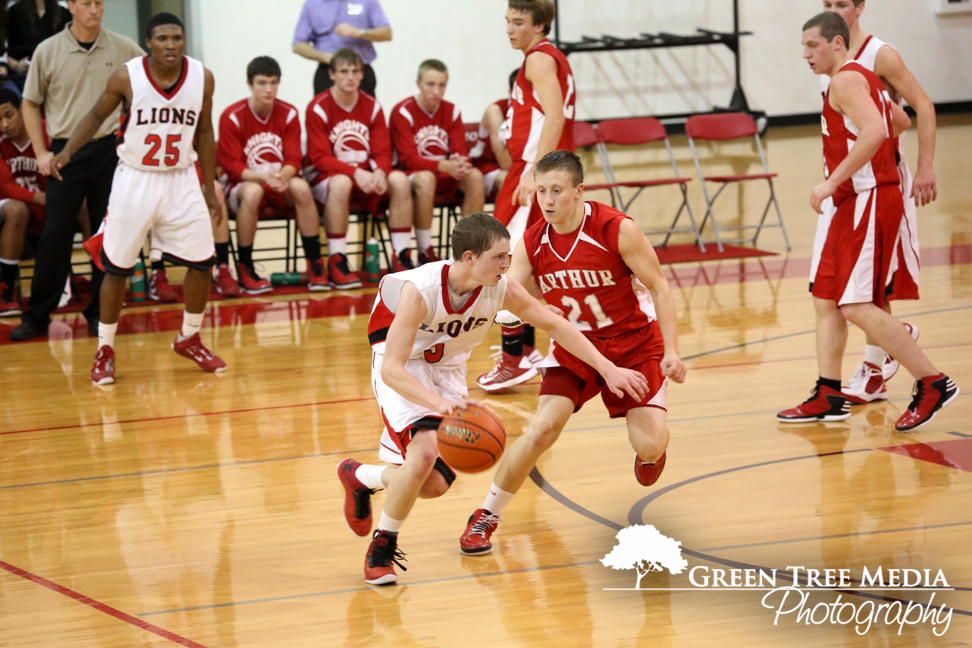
(119,87)
(398,347)
(850,95)
(619,381)
(206,148)
(641,259)
(888,65)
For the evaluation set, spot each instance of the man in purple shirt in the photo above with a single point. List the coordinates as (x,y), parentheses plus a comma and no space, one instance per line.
(325,26)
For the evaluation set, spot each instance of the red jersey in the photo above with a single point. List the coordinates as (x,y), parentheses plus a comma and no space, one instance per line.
(525,114)
(20,177)
(840,133)
(583,273)
(421,139)
(340,141)
(480,147)
(261,144)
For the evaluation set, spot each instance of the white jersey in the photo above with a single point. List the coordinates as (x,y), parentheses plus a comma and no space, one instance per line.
(446,336)
(157,130)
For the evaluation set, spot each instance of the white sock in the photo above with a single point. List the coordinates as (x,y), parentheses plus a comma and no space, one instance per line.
(106,334)
(401,240)
(497,499)
(874,355)
(337,245)
(423,239)
(389,524)
(370,476)
(191,323)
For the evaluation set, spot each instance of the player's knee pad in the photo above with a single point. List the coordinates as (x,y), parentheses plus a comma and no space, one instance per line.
(507,319)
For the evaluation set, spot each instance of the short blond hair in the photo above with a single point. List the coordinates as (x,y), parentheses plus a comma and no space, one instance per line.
(432,64)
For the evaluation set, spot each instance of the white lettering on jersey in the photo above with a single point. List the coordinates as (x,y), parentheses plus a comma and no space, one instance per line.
(432,138)
(345,132)
(263,153)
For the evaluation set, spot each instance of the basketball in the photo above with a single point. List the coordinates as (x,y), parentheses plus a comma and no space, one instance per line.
(471,439)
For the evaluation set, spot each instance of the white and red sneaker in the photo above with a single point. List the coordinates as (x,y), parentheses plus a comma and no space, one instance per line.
(159,289)
(890,364)
(931,394)
(192,348)
(475,540)
(224,283)
(866,385)
(509,371)
(250,282)
(824,404)
(103,371)
(381,554)
(648,473)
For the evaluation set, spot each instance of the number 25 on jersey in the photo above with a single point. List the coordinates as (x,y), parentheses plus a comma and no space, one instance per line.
(154,142)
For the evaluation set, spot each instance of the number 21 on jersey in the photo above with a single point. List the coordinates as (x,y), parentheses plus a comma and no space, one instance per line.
(574,315)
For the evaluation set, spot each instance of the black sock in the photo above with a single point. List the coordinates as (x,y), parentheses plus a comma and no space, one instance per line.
(222,253)
(513,341)
(312,247)
(158,265)
(8,274)
(246,255)
(529,336)
(827,382)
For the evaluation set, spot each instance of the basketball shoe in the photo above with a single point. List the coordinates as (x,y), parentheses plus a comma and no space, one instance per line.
(159,289)
(403,261)
(317,277)
(428,255)
(382,553)
(824,404)
(475,540)
(339,273)
(648,473)
(931,394)
(192,348)
(357,499)
(866,385)
(250,282)
(103,371)
(224,283)
(9,307)
(509,371)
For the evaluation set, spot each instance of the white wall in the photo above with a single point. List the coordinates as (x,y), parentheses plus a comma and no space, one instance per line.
(469,35)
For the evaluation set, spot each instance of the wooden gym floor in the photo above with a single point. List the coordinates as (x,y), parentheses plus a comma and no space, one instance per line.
(182,508)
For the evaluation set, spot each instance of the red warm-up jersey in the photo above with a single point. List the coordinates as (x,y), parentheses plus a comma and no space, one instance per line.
(480,147)
(422,139)
(263,144)
(840,133)
(525,115)
(583,273)
(20,177)
(341,140)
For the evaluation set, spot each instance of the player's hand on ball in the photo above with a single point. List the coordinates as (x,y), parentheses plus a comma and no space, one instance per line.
(447,406)
(626,381)
(819,194)
(57,163)
(671,367)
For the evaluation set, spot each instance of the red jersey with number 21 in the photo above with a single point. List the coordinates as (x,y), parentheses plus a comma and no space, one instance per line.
(583,274)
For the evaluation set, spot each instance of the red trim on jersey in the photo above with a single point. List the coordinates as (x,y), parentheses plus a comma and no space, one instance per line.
(445,294)
(863,47)
(178,85)
(380,320)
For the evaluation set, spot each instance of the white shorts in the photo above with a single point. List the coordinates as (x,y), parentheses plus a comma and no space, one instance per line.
(489,183)
(399,414)
(167,204)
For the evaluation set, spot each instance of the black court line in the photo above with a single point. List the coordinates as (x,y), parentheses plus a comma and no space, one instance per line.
(959,434)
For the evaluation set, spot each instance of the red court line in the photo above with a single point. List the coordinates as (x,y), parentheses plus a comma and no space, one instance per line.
(101,607)
(179,416)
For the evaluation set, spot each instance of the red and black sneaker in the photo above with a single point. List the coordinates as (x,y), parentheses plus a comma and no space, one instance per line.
(357,499)
(317,277)
(403,261)
(9,306)
(381,554)
(931,394)
(428,255)
(475,540)
(250,282)
(824,404)
(339,273)
(648,473)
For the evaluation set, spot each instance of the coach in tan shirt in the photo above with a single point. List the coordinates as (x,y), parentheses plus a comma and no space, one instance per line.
(67,75)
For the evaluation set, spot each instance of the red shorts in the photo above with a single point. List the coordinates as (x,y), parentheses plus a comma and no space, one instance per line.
(445,185)
(36,224)
(860,247)
(516,218)
(640,350)
(272,202)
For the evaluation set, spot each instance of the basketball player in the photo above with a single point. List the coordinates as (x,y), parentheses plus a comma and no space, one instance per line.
(859,123)
(22,196)
(259,152)
(167,99)
(868,381)
(423,327)
(593,262)
(430,141)
(541,117)
(349,158)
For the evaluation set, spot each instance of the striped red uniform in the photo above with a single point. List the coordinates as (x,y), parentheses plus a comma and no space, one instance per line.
(20,179)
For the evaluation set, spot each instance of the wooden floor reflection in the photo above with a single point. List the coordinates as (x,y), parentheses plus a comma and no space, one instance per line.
(181,508)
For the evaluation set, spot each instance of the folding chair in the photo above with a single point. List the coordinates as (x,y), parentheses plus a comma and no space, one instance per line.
(640,131)
(586,136)
(722,127)
(367,220)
